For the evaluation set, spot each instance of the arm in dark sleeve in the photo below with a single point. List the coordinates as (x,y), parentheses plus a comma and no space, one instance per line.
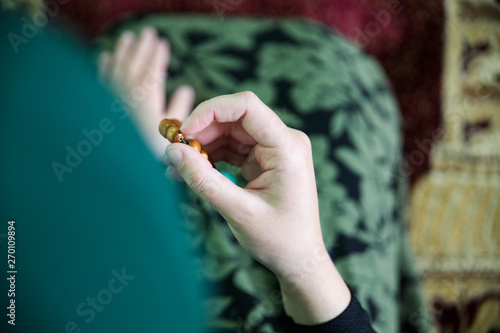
(354,319)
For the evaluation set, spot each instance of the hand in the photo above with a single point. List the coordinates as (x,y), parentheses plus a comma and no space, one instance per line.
(136,70)
(275,217)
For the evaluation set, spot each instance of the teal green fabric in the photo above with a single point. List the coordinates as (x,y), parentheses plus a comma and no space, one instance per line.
(110,227)
(321,84)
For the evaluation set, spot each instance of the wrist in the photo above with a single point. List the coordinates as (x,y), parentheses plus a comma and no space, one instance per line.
(315,296)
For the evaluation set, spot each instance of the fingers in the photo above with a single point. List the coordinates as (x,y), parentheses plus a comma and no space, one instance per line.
(181,103)
(229,126)
(229,150)
(257,119)
(210,184)
(141,54)
(226,130)
(123,48)
(230,143)
(251,169)
(152,70)
(136,58)
(151,77)
(137,71)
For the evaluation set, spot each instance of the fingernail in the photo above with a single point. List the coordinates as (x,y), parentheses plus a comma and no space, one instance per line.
(175,156)
(148,30)
(127,35)
(186,88)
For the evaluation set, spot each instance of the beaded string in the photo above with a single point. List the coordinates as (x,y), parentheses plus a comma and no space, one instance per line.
(170,129)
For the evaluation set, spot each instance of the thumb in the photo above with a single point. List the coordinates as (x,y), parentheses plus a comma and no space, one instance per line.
(205,180)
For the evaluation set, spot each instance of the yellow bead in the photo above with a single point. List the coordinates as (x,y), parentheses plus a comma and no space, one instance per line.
(195,144)
(165,124)
(172,132)
(204,153)
(179,137)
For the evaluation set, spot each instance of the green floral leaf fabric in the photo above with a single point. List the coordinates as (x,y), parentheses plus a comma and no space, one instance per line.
(321,84)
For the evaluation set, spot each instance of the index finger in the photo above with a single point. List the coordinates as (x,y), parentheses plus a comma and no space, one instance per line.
(258,120)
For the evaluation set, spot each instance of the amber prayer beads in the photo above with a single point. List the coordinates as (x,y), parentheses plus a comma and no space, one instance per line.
(170,129)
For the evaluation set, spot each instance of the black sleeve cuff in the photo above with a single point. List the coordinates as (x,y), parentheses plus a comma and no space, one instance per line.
(354,319)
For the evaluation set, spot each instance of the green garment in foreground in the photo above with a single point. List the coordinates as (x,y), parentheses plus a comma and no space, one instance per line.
(99,239)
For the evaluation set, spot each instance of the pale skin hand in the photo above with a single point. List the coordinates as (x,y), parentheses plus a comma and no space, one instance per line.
(136,69)
(275,217)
